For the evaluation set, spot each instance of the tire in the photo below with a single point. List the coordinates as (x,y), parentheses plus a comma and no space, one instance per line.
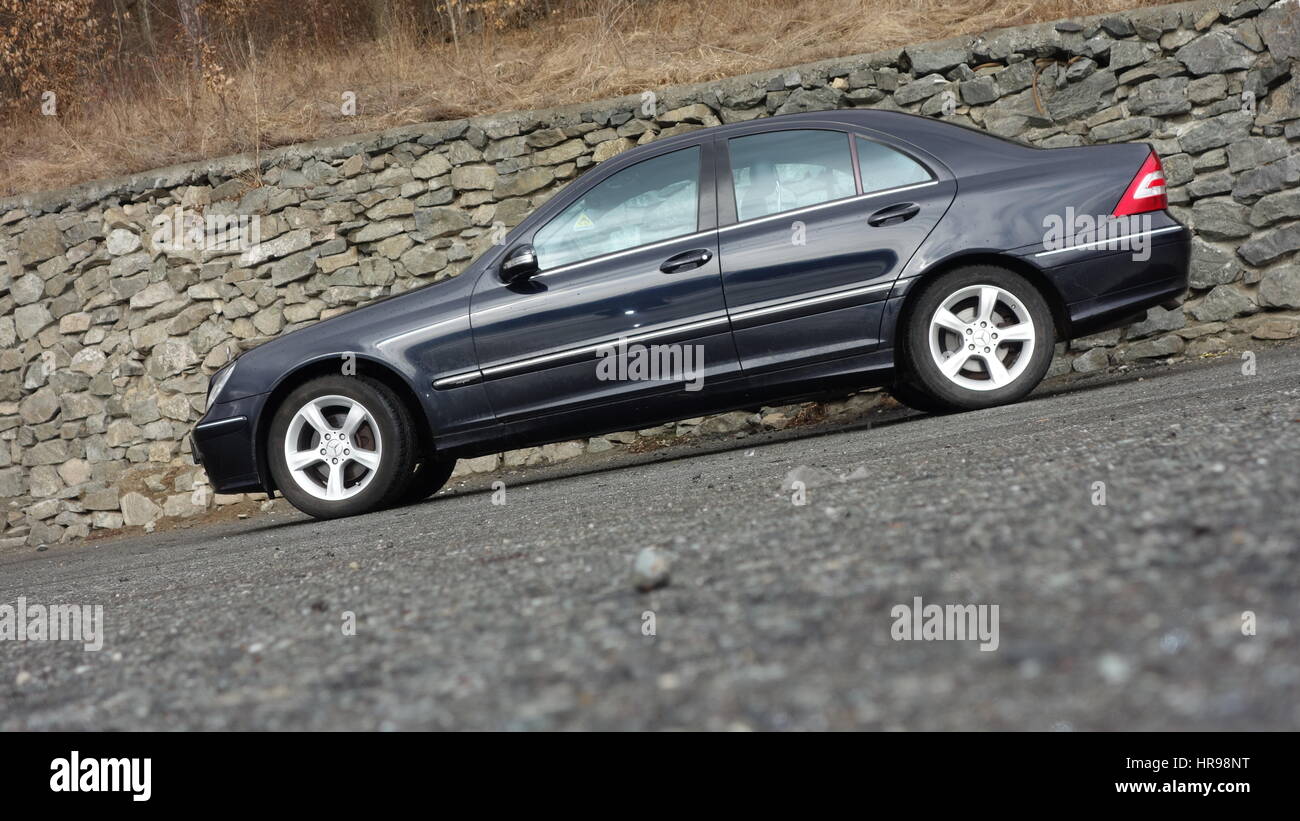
(1007,338)
(427,479)
(915,399)
(348,468)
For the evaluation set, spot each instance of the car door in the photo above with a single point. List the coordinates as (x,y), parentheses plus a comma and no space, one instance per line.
(815,225)
(627,259)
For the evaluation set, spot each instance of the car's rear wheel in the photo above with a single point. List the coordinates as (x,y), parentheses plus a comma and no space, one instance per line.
(977,336)
(341,445)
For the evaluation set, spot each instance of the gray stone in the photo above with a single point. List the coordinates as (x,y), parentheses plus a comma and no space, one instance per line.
(1158,320)
(1216,131)
(30,319)
(1220,218)
(1211,265)
(812,99)
(1215,53)
(1097,359)
(651,569)
(1270,245)
(523,182)
(1255,152)
(1280,287)
(1223,303)
(1170,345)
(280,246)
(437,222)
(1160,98)
(1279,28)
(1282,103)
(1267,178)
(430,165)
(138,510)
(936,58)
(1272,208)
(1083,97)
(979,91)
(170,358)
(423,259)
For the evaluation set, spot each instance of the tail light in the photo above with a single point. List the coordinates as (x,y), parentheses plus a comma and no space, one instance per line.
(1147,190)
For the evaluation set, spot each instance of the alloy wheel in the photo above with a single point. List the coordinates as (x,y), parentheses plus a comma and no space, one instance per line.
(982,337)
(332,447)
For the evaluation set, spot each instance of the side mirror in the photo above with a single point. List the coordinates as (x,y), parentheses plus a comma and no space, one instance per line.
(519,264)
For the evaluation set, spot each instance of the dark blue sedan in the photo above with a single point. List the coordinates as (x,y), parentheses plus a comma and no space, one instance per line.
(731,267)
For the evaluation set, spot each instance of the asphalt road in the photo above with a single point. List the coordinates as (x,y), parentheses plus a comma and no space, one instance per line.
(1126,615)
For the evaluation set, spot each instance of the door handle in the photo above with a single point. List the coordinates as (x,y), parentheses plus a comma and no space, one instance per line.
(894,214)
(686,260)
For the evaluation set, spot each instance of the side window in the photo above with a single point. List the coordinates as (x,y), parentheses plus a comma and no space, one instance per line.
(883,167)
(783,170)
(651,201)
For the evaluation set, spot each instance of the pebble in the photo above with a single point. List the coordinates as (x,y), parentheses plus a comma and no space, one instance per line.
(651,569)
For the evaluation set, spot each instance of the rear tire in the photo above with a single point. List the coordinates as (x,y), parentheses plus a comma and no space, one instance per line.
(341,446)
(977,336)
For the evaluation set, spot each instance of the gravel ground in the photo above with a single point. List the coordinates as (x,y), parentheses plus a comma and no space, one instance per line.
(525,615)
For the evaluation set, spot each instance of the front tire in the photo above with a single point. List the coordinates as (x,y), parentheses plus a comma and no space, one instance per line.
(428,478)
(977,336)
(341,446)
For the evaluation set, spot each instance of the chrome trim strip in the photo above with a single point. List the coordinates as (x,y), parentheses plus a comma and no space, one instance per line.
(520,364)
(817,300)
(457,380)
(220,423)
(1107,240)
(820,205)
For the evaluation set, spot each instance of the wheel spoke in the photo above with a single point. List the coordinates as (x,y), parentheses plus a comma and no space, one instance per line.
(365,458)
(302,459)
(997,371)
(945,318)
(356,415)
(312,416)
(334,487)
(953,363)
(1024,332)
(988,300)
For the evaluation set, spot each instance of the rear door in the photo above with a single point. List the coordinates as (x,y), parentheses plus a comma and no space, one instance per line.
(815,224)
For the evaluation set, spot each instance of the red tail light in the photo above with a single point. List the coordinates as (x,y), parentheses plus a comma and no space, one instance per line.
(1146,192)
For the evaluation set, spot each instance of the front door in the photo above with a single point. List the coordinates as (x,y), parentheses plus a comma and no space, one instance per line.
(626,313)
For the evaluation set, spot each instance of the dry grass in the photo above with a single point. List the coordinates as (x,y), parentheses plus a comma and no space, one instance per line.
(290,95)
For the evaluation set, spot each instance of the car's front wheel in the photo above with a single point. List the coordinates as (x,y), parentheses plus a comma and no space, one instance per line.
(341,445)
(977,336)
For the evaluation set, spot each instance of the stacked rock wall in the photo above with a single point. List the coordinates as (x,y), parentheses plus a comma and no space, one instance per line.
(109,330)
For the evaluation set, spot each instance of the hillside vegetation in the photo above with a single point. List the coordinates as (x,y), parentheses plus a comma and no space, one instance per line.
(97,88)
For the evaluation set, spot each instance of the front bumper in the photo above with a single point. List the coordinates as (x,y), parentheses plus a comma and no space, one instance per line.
(224,442)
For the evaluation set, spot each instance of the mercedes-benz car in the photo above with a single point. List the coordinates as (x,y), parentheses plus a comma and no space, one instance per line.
(730,267)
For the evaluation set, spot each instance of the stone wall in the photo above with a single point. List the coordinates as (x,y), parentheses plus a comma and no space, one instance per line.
(108,338)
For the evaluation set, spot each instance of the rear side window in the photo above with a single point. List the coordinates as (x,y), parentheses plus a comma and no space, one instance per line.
(654,200)
(882,167)
(784,170)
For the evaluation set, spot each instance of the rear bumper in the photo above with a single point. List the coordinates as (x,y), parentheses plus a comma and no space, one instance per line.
(1107,289)
(224,442)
